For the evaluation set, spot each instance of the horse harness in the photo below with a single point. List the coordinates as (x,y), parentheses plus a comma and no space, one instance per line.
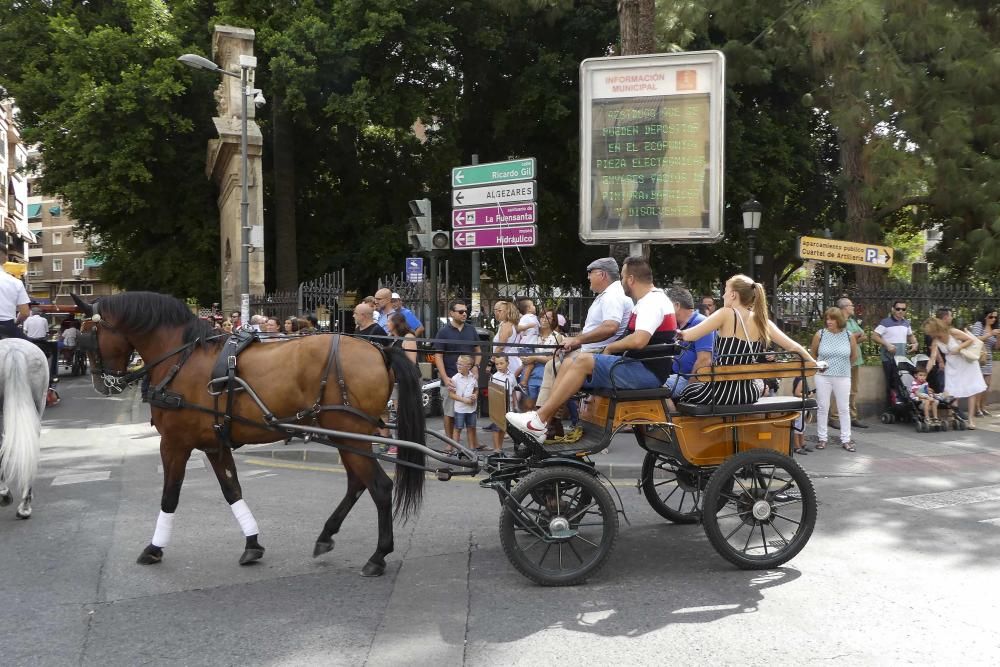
(224,381)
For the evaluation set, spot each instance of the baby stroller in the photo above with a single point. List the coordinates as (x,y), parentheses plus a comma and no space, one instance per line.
(910,409)
(899,407)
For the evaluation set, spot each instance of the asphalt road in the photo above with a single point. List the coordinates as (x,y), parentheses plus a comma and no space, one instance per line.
(902,568)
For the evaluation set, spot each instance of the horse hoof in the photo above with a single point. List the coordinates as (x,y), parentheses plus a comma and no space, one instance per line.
(372,570)
(251,555)
(150,556)
(322,548)
(24,514)
(6,499)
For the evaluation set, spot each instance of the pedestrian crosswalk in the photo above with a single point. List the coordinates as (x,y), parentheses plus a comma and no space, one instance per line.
(932,501)
(989,494)
(67,478)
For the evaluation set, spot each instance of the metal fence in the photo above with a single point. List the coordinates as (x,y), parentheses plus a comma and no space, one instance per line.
(322,297)
(801,305)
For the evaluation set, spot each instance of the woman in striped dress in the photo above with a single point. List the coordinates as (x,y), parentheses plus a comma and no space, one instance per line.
(836,346)
(744,332)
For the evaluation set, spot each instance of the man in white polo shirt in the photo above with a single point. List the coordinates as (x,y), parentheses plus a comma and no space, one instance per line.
(607,318)
(894,333)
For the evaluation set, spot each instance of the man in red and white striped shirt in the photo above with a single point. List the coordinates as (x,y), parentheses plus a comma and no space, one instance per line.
(652,322)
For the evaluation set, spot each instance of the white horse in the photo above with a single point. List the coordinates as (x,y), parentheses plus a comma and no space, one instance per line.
(24,381)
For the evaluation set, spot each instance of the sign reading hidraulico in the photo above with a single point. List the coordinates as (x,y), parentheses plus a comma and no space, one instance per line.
(652,148)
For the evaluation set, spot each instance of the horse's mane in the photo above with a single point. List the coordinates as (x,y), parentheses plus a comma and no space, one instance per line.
(145,312)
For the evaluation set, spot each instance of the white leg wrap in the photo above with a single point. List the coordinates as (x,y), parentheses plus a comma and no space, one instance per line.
(164,526)
(243,514)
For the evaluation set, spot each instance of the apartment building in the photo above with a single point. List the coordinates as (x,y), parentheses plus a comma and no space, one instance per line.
(14,229)
(59,263)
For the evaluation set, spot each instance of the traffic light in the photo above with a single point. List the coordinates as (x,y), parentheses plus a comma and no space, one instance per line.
(418,228)
(419,232)
(440,240)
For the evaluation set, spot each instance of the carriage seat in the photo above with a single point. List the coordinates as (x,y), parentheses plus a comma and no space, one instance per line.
(631,394)
(766,404)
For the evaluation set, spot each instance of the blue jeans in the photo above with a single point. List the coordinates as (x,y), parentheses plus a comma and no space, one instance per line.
(676,384)
(630,374)
(465,420)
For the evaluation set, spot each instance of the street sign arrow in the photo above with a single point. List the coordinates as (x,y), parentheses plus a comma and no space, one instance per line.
(509,171)
(492,216)
(494,194)
(520,236)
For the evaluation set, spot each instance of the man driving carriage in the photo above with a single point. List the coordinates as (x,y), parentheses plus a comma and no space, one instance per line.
(652,322)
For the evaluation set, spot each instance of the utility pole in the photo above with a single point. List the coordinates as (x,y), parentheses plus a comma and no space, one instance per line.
(475,301)
(636,19)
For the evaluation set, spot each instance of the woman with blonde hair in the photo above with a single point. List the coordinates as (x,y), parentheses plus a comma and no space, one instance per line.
(507,315)
(962,377)
(744,332)
(834,345)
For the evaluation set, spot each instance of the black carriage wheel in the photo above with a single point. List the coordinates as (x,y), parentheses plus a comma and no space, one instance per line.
(675,494)
(767,509)
(559,526)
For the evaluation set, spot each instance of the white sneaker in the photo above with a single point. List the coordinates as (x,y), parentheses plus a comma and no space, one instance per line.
(529,424)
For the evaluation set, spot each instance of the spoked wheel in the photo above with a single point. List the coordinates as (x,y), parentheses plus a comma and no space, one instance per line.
(559,526)
(674,494)
(767,509)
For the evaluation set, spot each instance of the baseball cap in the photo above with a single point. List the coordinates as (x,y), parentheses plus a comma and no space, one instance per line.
(395,296)
(604,264)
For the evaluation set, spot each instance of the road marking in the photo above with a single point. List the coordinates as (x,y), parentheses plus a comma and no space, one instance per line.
(192,464)
(82,477)
(933,501)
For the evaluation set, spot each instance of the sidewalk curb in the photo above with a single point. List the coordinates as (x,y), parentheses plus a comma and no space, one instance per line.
(332,457)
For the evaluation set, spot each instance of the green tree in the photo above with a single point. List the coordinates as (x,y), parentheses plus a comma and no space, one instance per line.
(102,96)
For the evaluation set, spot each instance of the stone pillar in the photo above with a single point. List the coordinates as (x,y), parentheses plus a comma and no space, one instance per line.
(224,163)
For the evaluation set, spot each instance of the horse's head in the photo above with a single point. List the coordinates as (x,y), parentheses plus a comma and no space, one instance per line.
(107,348)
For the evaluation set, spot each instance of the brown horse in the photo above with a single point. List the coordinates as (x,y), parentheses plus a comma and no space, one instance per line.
(327,381)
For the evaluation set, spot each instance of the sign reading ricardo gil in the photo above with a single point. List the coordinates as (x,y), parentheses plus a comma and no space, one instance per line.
(845,252)
(487,208)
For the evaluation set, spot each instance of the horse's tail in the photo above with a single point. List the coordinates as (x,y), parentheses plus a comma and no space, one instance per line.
(23,404)
(409,491)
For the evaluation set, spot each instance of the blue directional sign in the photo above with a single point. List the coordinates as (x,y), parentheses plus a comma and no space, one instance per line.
(414,269)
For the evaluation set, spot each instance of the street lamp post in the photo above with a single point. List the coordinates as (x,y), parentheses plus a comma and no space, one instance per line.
(247,63)
(826,275)
(752,211)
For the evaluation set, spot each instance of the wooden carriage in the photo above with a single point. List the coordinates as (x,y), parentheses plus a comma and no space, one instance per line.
(733,459)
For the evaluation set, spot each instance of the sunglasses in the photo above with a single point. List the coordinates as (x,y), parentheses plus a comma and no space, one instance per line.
(460,312)
(902,310)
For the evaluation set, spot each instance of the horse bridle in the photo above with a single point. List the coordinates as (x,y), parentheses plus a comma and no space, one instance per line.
(116,381)
(88,341)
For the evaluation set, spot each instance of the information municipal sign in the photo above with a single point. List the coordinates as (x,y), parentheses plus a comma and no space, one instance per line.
(414,269)
(522,169)
(521,236)
(845,252)
(492,216)
(651,148)
(493,194)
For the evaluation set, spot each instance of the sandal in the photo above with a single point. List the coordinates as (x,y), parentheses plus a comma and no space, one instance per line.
(821,444)
(800,450)
(849,446)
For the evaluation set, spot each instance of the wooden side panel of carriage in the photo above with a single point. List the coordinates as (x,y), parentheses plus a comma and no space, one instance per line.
(703,441)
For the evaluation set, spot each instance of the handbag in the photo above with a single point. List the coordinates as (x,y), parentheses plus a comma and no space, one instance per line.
(975,352)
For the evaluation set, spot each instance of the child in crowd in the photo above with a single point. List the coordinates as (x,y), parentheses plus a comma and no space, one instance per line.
(921,391)
(506,378)
(464,395)
(800,387)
